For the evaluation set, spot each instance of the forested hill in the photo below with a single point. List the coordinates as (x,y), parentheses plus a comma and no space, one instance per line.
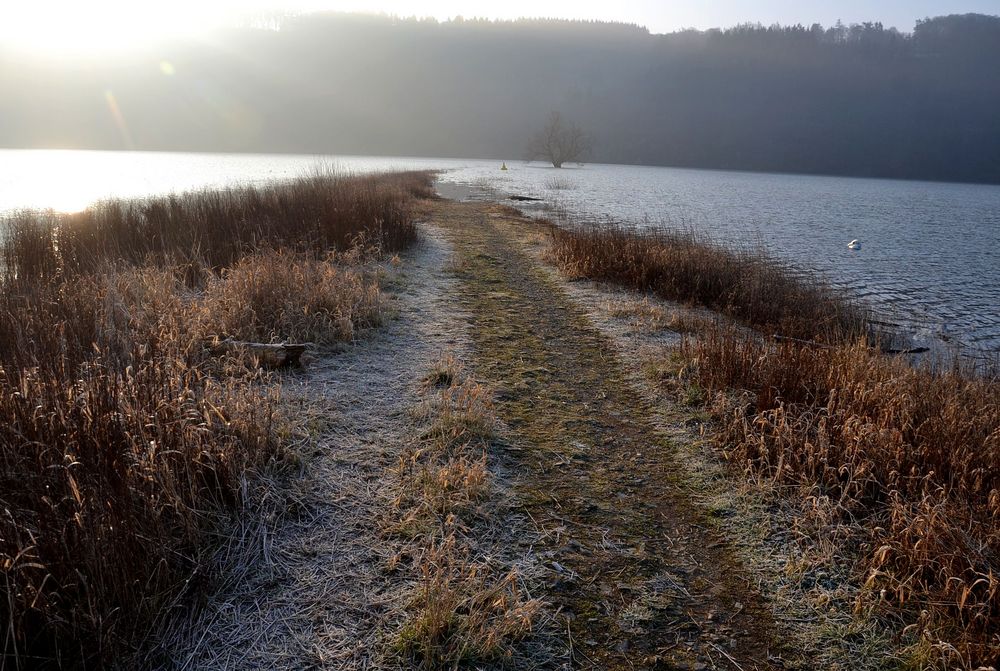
(854,100)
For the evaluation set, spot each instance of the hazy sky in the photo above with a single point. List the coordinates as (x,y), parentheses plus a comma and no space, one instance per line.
(668,15)
(55,26)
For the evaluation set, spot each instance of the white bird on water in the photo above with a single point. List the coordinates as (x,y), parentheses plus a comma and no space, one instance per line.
(854,244)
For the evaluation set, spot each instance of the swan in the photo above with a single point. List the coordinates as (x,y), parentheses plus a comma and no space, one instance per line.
(854,244)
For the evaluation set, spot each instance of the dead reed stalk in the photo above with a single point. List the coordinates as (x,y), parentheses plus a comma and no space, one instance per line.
(909,455)
(743,283)
(123,445)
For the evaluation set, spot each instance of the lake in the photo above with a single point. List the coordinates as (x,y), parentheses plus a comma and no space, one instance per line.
(929,257)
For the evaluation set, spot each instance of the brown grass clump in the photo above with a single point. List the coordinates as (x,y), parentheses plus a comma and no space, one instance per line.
(280,295)
(124,442)
(445,473)
(216,228)
(910,456)
(463,609)
(650,316)
(744,284)
(110,484)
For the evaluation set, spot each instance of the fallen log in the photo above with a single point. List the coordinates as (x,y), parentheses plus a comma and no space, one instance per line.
(810,343)
(883,350)
(268,355)
(907,350)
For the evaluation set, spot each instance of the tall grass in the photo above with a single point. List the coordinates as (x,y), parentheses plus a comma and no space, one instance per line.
(744,284)
(124,444)
(110,484)
(215,228)
(912,453)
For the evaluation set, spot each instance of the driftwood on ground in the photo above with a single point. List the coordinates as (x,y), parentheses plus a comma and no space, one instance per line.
(907,350)
(269,355)
(884,350)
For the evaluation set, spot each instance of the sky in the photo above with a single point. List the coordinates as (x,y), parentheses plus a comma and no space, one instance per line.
(56,26)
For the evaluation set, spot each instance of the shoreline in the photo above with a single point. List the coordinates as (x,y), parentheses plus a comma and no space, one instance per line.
(943,350)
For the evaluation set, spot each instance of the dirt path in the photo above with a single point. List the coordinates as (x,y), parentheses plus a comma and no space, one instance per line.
(310,589)
(636,567)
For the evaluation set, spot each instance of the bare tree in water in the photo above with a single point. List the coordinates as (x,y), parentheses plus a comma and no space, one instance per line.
(559,141)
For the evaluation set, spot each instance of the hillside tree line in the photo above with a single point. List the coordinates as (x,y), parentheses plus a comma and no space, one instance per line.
(861,99)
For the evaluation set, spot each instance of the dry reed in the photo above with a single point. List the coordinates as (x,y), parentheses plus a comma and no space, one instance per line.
(908,456)
(215,228)
(744,284)
(123,445)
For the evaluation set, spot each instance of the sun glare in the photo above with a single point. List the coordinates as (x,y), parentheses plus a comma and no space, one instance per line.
(61,28)
(73,27)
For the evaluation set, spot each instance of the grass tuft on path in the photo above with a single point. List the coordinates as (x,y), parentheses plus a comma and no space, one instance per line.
(465,609)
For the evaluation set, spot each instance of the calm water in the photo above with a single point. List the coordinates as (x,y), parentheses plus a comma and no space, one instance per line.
(930,255)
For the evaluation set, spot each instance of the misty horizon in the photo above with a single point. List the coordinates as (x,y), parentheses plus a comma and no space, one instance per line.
(860,99)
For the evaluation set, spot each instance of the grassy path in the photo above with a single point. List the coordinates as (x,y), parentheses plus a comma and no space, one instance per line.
(310,589)
(636,567)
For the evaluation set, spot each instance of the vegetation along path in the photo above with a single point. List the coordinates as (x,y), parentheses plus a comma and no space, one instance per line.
(642,579)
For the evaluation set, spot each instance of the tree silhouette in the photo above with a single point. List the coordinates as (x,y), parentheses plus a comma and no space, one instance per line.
(558,142)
